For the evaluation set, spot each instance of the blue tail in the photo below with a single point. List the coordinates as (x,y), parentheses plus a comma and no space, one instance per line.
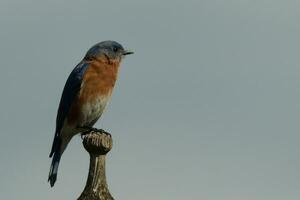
(54,168)
(56,153)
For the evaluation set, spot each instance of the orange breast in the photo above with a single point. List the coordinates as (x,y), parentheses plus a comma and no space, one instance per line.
(98,80)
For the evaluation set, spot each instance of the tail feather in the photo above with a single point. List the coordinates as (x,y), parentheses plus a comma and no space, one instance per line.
(56,154)
(58,147)
(54,168)
(55,145)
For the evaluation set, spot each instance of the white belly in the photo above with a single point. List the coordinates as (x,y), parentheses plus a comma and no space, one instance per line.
(92,110)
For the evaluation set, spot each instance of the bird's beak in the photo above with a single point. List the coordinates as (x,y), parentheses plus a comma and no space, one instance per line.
(127,52)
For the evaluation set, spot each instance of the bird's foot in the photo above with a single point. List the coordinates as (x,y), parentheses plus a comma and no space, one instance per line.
(102,131)
(106,133)
(86,129)
(92,129)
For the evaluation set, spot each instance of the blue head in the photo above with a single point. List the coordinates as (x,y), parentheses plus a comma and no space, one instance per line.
(110,49)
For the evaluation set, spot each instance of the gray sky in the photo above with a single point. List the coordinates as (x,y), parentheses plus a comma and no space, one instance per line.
(207,107)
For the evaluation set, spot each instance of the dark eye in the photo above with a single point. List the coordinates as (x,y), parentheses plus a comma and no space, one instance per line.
(115,49)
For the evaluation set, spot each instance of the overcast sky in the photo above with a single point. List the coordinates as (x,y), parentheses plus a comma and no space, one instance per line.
(207,108)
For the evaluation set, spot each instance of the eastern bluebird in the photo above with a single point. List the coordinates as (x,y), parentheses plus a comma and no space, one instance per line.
(85,95)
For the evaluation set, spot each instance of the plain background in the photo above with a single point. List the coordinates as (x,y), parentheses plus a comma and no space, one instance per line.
(206,108)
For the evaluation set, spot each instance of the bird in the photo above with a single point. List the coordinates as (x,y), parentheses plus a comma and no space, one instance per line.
(84,97)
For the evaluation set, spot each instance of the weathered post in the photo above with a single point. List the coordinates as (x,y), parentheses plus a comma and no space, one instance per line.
(98,144)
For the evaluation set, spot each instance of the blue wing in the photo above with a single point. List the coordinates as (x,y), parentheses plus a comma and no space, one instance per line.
(70,91)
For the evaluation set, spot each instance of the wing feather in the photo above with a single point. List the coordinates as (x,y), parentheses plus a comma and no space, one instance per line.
(70,91)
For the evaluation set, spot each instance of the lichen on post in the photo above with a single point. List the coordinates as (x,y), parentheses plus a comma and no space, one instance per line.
(98,144)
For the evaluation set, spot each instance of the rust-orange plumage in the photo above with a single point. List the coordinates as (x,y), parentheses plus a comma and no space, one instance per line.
(85,96)
(98,80)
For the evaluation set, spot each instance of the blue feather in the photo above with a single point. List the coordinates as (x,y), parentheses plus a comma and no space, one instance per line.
(70,91)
